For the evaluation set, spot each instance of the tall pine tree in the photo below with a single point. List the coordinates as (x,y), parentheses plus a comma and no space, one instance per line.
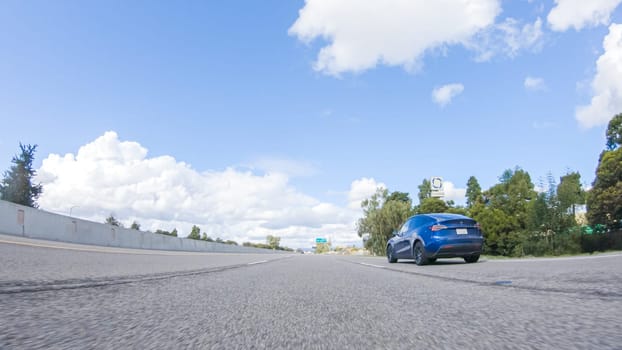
(17,186)
(473,191)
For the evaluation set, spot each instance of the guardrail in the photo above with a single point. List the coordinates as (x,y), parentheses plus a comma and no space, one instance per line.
(19,220)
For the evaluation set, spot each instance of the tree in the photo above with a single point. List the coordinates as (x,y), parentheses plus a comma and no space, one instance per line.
(496,226)
(195,233)
(135,226)
(457,209)
(432,205)
(111,220)
(204,236)
(17,186)
(425,190)
(550,220)
(513,194)
(540,214)
(381,218)
(273,241)
(321,248)
(614,132)
(505,215)
(570,192)
(399,196)
(368,224)
(172,233)
(604,200)
(473,192)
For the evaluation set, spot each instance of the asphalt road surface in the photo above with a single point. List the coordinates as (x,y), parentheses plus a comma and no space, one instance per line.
(58,296)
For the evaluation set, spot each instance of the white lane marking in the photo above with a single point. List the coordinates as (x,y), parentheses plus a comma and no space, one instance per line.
(106,249)
(372,265)
(258,262)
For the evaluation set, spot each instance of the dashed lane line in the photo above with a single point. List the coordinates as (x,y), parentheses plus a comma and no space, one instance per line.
(258,262)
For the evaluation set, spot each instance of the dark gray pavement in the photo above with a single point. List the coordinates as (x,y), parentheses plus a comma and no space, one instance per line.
(298,302)
(33,261)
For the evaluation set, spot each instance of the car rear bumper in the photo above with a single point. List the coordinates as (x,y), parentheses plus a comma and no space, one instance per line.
(455,249)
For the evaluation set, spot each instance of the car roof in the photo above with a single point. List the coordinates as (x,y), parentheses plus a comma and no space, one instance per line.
(446,216)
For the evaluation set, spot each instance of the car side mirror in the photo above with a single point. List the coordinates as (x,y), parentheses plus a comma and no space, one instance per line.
(395,233)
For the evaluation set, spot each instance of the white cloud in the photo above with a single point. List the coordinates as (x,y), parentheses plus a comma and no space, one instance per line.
(363,33)
(580,13)
(362,189)
(534,83)
(453,193)
(113,176)
(607,83)
(507,38)
(517,38)
(444,94)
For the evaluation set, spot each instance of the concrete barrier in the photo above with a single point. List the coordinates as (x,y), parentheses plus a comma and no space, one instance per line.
(19,220)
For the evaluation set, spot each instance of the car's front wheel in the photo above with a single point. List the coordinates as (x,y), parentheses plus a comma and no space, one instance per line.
(471,259)
(418,254)
(392,259)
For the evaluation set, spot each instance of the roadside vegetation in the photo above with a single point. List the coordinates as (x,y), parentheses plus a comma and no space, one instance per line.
(272,242)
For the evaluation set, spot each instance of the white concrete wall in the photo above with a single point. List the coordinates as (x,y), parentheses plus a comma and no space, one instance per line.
(24,221)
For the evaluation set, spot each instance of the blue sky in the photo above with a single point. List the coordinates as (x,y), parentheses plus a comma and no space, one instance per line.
(243,85)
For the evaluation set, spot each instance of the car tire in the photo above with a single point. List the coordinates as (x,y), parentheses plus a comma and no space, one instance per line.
(392,259)
(419,254)
(471,259)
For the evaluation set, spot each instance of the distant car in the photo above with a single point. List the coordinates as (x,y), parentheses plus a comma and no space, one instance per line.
(426,237)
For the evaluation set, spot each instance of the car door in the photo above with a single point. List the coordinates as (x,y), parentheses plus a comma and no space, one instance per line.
(402,245)
(415,226)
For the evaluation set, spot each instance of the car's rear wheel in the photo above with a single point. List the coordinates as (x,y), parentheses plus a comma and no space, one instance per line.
(418,254)
(471,259)
(390,255)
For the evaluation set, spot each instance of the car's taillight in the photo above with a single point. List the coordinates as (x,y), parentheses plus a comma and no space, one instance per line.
(435,228)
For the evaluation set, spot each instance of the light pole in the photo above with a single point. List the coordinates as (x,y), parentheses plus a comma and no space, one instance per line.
(71,209)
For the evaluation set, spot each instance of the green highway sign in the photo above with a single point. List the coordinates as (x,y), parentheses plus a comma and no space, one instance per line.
(320,240)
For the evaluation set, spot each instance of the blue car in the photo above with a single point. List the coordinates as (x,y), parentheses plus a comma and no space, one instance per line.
(426,237)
